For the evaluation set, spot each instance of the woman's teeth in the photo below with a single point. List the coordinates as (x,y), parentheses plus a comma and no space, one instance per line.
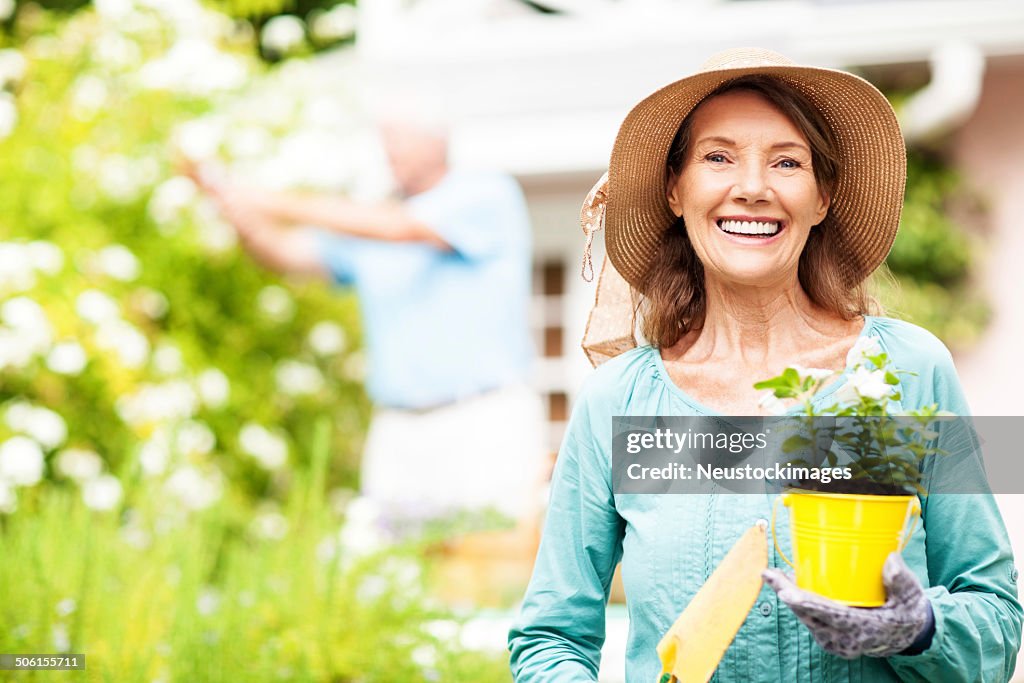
(749,227)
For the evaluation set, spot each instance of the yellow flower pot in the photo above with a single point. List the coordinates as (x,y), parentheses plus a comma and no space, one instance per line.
(841,540)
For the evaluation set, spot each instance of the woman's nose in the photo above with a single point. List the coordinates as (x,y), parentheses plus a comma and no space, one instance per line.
(751,183)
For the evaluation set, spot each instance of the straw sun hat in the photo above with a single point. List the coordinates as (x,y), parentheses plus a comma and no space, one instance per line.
(630,201)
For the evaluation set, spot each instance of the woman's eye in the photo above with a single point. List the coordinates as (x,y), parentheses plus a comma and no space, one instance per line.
(789,163)
(716,158)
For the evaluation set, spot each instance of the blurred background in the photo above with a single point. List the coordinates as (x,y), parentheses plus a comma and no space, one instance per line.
(181,430)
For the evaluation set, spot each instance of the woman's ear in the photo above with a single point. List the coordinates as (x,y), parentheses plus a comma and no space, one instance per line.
(823,207)
(673,194)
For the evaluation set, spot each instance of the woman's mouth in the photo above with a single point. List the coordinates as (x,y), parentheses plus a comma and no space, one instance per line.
(762,229)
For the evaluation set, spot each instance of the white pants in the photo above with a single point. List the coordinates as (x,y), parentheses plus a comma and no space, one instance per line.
(485,451)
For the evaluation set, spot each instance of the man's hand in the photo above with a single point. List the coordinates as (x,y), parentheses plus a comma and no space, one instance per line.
(851,632)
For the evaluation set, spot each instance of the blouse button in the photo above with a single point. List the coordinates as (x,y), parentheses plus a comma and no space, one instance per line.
(766,608)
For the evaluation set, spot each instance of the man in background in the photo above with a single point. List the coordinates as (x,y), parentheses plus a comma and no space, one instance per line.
(442,275)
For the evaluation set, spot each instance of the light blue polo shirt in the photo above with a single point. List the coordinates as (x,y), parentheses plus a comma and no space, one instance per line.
(443,325)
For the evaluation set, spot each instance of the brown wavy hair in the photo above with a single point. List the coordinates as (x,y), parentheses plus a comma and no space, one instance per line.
(674,299)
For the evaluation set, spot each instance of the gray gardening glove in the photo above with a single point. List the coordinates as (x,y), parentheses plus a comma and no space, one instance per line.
(850,632)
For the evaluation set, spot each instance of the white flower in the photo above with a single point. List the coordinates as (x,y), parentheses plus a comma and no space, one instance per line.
(167,360)
(276,303)
(151,303)
(102,493)
(296,378)
(67,358)
(194,437)
(862,348)
(155,453)
(270,526)
(269,449)
(283,34)
(201,138)
(120,337)
(362,533)
(61,641)
(194,66)
(170,199)
(8,497)
(816,374)
(118,262)
(88,96)
(213,387)
(7,8)
(772,404)
(424,656)
(45,257)
(79,464)
(249,141)
(66,607)
(154,403)
(334,24)
(21,461)
(96,307)
(45,426)
(8,114)
(869,383)
(327,338)
(16,271)
(194,489)
(208,601)
(12,62)
(26,317)
(14,352)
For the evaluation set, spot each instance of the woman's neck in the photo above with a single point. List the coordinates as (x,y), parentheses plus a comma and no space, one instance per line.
(754,325)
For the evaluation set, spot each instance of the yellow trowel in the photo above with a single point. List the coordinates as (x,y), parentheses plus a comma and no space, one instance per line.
(693,647)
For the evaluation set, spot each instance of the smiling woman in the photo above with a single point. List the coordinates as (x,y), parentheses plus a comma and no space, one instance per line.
(746,204)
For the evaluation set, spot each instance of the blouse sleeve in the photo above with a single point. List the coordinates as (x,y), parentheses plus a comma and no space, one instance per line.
(970,567)
(558,635)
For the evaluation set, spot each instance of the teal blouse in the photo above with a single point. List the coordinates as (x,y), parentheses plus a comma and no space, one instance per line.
(670,544)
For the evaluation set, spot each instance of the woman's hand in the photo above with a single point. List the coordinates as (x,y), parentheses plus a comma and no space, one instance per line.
(851,632)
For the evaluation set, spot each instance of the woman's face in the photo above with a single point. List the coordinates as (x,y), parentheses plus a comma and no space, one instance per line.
(747,191)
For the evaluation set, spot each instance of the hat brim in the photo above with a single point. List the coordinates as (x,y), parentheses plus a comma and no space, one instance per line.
(868,195)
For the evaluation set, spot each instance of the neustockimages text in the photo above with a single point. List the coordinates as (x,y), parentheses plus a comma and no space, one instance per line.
(778,472)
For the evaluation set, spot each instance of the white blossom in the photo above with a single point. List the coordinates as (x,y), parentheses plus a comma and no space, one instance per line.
(117,261)
(213,387)
(283,33)
(269,525)
(862,348)
(45,257)
(201,138)
(13,350)
(194,437)
(275,303)
(361,533)
(67,358)
(269,449)
(194,66)
(7,8)
(155,403)
(45,426)
(21,461)
(816,374)
(870,383)
(28,319)
(66,606)
(327,338)
(125,340)
(170,199)
(296,378)
(16,269)
(79,464)
(89,95)
(155,452)
(60,638)
(167,360)
(150,302)
(193,489)
(8,497)
(208,601)
(96,307)
(102,493)
(8,114)
(334,24)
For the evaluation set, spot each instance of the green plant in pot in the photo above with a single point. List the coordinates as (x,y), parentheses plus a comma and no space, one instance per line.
(846,524)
